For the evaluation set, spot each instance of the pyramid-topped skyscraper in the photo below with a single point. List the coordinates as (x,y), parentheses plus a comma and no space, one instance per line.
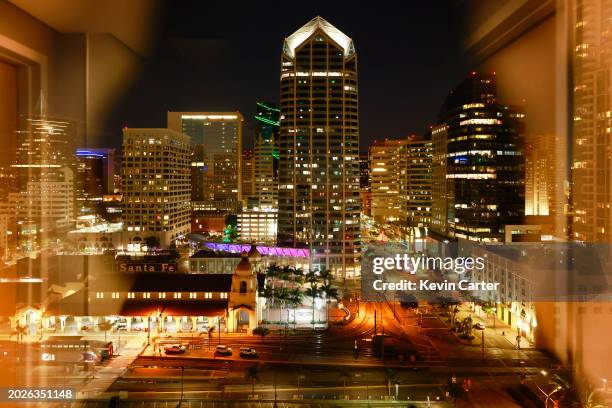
(319,204)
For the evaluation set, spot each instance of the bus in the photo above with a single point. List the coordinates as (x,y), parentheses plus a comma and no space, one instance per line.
(74,349)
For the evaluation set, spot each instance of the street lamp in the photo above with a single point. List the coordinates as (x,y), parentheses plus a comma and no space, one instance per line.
(482,330)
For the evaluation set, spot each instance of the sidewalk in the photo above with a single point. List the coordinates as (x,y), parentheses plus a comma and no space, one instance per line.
(502,329)
(105,376)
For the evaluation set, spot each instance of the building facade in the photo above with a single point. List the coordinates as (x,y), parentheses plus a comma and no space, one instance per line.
(156,184)
(418,185)
(218,136)
(592,121)
(94,179)
(478,164)
(248,177)
(319,203)
(258,225)
(266,155)
(388,178)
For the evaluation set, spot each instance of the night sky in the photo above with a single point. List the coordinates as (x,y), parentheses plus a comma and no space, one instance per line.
(217,56)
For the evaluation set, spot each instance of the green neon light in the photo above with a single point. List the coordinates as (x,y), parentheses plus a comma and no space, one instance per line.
(276,155)
(263,105)
(266,120)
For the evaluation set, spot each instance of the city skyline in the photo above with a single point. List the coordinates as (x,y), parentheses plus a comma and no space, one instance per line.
(213,50)
(324,205)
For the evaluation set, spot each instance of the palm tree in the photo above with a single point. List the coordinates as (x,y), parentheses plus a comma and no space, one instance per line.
(329,291)
(313,278)
(592,400)
(268,290)
(295,299)
(252,374)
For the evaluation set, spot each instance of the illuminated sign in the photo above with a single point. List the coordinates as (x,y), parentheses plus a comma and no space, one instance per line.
(147,267)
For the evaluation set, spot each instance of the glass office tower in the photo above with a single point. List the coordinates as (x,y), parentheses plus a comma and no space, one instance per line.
(319,202)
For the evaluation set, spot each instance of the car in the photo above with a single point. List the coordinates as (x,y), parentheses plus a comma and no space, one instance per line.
(175,349)
(223,350)
(479,326)
(248,352)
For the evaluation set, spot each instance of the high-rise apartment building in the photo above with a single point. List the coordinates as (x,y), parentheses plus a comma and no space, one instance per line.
(478,167)
(156,184)
(248,177)
(219,137)
(592,121)
(266,155)
(388,180)
(319,203)
(418,184)
(365,193)
(540,172)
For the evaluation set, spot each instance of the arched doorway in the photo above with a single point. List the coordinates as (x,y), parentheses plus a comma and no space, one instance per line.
(242,320)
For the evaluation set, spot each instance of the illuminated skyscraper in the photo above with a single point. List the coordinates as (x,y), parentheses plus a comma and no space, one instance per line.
(156,184)
(319,203)
(388,180)
(418,184)
(248,176)
(95,172)
(592,121)
(540,168)
(45,173)
(478,164)
(266,155)
(220,136)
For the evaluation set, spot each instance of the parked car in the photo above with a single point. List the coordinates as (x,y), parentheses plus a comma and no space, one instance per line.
(479,326)
(223,350)
(248,352)
(175,349)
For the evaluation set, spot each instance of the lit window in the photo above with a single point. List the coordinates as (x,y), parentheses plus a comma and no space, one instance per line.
(208,295)
(161,295)
(177,295)
(115,295)
(99,295)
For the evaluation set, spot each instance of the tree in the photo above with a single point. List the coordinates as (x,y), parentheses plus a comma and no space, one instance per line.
(230,233)
(592,400)
(466,327)
(295,299)
(261,331)
(252,374)
(105,326)
(328,290)
(313,291)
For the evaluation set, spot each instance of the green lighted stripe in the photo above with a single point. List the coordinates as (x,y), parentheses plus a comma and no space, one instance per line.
(266,120)
(267,107)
